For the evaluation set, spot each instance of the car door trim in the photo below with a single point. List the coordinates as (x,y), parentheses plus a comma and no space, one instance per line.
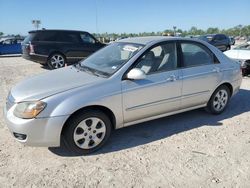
(194,94)
(173,99)
(163,115)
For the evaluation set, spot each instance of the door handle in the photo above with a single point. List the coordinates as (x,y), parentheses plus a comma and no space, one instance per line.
(171,78)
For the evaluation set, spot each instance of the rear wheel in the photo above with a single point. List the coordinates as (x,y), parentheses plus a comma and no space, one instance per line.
(218,100)
(87,132)
(56,61)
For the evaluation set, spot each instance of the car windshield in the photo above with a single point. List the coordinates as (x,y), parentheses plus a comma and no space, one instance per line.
(245,46)
(109,59)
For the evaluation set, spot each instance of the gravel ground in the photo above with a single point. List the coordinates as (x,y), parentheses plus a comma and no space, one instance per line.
(192,149)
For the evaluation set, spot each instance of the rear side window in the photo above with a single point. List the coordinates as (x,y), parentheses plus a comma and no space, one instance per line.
(195,55)
(45,36)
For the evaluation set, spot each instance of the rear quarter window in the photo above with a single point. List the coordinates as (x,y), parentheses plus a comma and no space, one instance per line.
(29,37)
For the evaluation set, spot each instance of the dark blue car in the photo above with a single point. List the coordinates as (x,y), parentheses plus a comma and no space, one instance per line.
(10,46)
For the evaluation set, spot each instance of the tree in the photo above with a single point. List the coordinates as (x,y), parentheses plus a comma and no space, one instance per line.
(212,30)
(1,34)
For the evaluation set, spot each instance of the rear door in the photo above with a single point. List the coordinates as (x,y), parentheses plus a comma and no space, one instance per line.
(201,74)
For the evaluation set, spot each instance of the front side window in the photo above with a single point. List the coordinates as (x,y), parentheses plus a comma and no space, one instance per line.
(158,59)
(195,55)
(108,60)
(86,38)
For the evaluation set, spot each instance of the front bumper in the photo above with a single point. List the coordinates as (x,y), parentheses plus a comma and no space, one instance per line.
(38,131)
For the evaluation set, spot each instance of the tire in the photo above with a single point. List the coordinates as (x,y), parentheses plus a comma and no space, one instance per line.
(228,48)
(56,61)
(219,100)
(81,135)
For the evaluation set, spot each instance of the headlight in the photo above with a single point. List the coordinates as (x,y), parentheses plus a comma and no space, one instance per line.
(29,110)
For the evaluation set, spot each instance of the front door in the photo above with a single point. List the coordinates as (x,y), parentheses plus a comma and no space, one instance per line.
(160,91)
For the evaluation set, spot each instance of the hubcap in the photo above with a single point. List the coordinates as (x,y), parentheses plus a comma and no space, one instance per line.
(220,100)
(57,61)
(89,133)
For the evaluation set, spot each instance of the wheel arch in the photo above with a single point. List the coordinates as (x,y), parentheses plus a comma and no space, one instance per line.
(103,109)
(229,86)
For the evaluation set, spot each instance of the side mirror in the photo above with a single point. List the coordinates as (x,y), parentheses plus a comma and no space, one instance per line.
(136,74)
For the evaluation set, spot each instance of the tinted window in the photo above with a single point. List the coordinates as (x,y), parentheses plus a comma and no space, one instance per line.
(86,38)
(29,37)
(70,37)
(45,36)
(195,55)
(159,58)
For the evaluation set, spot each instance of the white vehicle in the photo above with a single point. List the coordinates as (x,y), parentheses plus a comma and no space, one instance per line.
(241,54)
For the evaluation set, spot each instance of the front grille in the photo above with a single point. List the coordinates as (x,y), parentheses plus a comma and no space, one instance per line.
(10,101)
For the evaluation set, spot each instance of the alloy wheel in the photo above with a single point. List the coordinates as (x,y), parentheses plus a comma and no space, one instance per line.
(89,133)
(220,100)
(57,61)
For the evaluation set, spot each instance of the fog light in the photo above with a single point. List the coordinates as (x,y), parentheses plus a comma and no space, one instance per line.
(20,136)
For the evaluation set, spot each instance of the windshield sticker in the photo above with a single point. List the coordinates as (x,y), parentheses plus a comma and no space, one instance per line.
(130,48)
(114,67)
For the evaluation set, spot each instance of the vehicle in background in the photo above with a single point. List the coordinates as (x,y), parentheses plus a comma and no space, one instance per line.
(232,40)
(10,46)
(221,41)
(55,48)
(128,82)
(241,54)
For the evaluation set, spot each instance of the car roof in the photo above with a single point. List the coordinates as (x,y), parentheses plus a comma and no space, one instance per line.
(155,39)
(56,30)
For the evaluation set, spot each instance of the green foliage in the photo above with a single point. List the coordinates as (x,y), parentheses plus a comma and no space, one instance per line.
(238,30)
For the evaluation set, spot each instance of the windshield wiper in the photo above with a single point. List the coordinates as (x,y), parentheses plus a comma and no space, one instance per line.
(90,70)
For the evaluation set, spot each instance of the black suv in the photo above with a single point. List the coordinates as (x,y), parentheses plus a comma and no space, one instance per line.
(220,41)
(58,47)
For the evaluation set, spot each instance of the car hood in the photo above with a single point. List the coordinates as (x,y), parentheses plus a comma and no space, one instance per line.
(52,82)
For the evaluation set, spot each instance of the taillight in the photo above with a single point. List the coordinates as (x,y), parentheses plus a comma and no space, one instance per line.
(31,49)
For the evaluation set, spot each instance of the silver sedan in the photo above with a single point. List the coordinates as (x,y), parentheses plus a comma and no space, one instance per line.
(129,81)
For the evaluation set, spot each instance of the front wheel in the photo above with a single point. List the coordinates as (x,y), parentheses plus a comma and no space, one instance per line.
(56,61)
(218,100)
(87,132)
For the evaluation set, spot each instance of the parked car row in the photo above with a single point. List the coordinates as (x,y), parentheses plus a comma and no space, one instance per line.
(55,48)
(127,82)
